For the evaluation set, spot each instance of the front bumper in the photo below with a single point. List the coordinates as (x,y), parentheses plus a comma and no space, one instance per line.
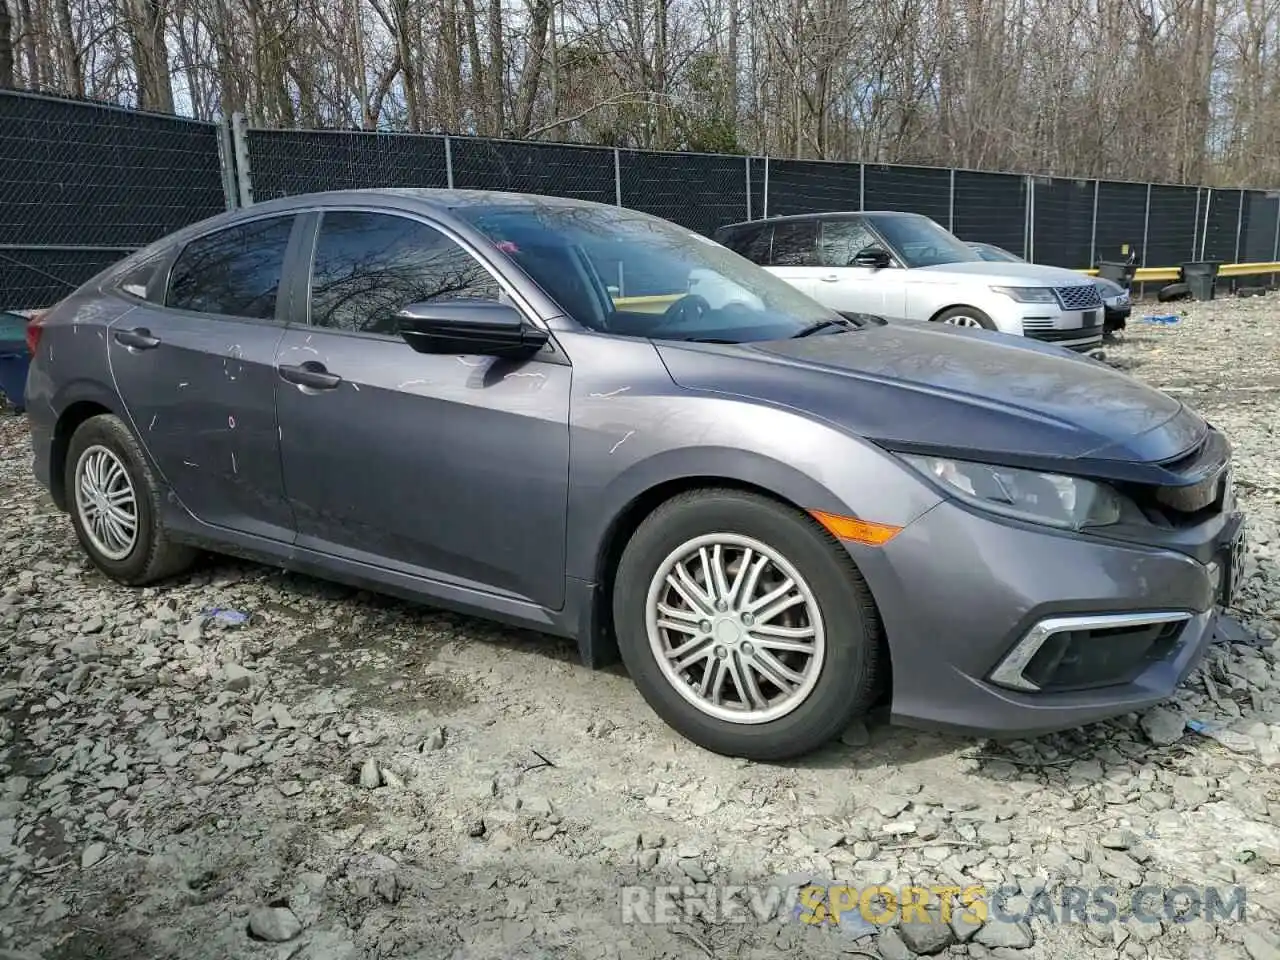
(1079,330)
(959,593)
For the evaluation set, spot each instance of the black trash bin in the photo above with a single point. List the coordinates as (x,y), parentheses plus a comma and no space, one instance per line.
(1202,277)
(1118,271)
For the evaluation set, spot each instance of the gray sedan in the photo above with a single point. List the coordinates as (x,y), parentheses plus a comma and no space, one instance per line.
(590,422)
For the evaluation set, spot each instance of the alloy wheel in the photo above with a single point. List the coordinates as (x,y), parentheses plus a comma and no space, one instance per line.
(106,502)
(735,628)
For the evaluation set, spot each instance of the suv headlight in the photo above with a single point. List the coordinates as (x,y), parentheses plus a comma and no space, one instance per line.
(1028,294)
(1070,503)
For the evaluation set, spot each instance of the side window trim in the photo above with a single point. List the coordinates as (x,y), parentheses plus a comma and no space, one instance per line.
(510,289)
(297,265)
(280,317)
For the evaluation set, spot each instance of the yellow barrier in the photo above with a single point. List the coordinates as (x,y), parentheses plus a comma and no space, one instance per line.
(1173,274)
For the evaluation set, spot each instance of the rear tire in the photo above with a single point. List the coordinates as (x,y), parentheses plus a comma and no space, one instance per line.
(114,501)
(965,317)
(828,640)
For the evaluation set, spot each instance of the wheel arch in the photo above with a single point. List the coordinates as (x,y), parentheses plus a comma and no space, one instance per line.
(959,305)
(78,403)
(741,470)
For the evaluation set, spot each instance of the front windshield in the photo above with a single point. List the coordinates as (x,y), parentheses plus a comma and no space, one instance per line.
(622,272)
(919,242)
(995,254)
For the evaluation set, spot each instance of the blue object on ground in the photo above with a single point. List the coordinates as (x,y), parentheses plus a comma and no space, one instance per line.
(14,359)
(1165,318)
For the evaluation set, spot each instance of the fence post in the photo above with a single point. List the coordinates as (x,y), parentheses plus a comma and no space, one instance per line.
(746,166)
(765,215)
(1093,233)
(240,143)
(862,187)
(1204,227)
(951,203)
(1029,232)
(1275,245)
(227,165)
(448,161)
(617,177)
(1195,225)
(1146,225)
(1239,226)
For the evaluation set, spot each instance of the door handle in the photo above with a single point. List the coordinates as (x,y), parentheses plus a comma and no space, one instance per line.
(139,338)
(830,278)
(310,374)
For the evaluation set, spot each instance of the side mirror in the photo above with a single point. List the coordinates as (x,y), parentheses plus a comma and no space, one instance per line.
(872,257)
(481,327)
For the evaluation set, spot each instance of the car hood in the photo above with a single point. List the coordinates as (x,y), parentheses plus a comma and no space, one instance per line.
(1008,274)
(922,386)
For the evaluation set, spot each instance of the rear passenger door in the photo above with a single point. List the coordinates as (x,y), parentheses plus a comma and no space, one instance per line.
(793,253)
(194,367)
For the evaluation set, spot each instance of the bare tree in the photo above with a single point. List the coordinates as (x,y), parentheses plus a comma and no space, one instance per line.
(1162,90)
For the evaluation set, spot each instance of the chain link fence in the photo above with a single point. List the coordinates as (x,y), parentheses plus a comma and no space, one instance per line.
(82,184)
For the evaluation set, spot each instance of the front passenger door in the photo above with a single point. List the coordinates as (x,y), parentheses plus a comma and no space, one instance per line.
(449,468)
(841,285)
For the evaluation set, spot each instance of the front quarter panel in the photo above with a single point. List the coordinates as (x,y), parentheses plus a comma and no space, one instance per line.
(633,429)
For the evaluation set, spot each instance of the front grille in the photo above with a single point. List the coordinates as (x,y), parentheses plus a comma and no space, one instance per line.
(1083,297)
(1084,659)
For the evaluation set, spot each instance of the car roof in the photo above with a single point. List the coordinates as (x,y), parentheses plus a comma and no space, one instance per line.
(825,215)
(438,201)
(432,197)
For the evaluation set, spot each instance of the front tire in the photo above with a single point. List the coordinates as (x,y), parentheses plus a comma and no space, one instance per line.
(745,625)
(114,500)
(965,317)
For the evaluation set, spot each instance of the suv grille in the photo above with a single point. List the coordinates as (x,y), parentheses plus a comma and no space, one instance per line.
(1083,297)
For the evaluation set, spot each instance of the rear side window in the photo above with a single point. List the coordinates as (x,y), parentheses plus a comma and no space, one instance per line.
(751,242)
(137,281)
(369,266)
(234,272)
(795,243)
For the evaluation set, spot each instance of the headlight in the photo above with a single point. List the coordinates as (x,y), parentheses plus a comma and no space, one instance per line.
(1028,294)
(1050,498)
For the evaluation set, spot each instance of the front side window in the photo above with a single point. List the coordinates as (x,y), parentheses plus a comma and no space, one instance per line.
(235,272)
(919,242)
(842,240)
(795,243)
(622,272)
(370,266)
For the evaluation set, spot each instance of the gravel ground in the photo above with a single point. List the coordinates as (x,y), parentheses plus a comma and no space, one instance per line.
(249,763)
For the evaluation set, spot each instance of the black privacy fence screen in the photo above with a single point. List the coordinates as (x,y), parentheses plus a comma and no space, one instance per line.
(82,184)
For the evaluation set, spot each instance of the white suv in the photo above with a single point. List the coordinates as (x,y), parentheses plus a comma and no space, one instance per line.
(906,266)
